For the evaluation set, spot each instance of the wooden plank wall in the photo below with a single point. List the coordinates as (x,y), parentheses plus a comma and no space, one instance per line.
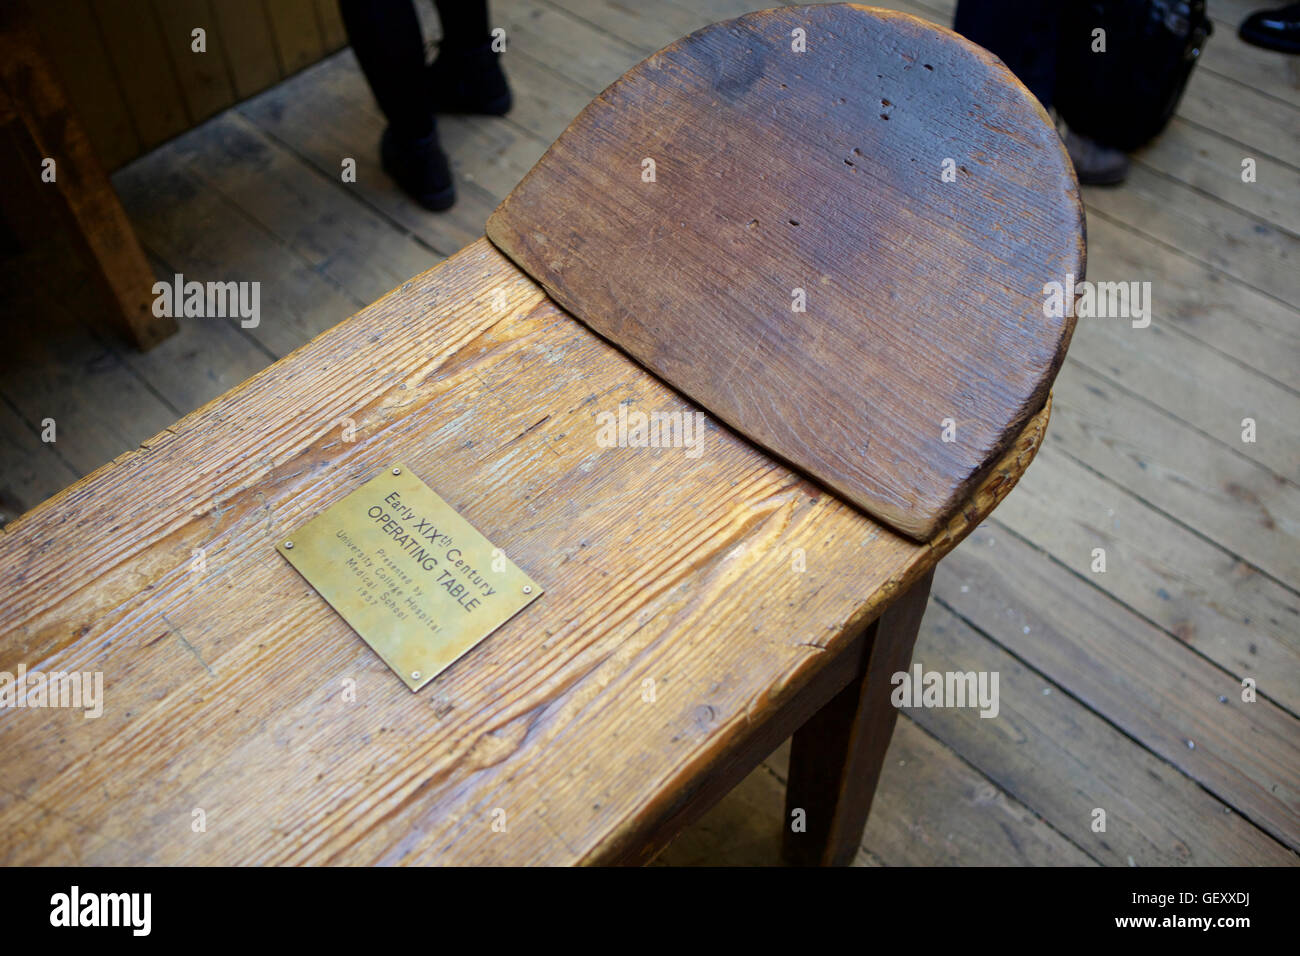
(130,70)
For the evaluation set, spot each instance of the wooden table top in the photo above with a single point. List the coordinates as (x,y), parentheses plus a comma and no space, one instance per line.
(801,264)
(224,688)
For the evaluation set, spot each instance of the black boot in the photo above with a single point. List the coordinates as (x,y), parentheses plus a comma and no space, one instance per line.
(1274,29)
(420,167)
(468,81)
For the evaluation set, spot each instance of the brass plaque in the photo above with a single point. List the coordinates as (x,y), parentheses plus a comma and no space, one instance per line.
(417,581)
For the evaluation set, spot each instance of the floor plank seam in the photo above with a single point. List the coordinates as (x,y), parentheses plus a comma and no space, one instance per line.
(1290,587)
(1209,266)
(1223,800)
(1138,160)
(1193,426)
(1120,601)
(966,762)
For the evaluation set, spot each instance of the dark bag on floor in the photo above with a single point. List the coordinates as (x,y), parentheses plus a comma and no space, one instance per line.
(1125,96)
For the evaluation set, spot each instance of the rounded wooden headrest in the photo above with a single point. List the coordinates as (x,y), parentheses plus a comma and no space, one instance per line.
(833,227)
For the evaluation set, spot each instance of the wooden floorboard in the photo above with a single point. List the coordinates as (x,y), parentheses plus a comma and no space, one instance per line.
(1120,690)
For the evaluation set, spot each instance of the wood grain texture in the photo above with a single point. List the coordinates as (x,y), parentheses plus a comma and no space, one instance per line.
(223,687)
(821,171)
(1179,571)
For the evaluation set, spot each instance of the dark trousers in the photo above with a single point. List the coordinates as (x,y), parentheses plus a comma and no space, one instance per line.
(385,36)
(1023,34)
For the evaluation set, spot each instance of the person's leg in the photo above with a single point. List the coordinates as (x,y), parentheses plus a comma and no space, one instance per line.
(385,36)
(1024,34)
(1021,33)
(464,23)
(466,77)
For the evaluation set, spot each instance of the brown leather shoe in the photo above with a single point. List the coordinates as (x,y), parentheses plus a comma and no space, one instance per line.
(1095,164)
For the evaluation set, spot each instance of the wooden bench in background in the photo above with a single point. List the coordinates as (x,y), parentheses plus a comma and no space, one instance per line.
(37,123)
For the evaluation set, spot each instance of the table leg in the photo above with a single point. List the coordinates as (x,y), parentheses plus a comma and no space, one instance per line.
(836,757)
